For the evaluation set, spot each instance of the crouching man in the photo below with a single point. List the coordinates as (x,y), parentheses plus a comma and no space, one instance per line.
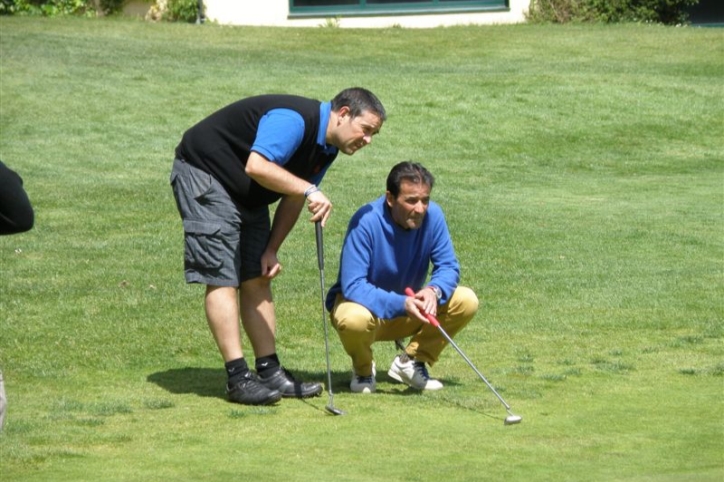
(390,244)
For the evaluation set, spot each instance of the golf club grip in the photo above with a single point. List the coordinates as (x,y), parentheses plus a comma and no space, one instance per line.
(433,321)
(320,244)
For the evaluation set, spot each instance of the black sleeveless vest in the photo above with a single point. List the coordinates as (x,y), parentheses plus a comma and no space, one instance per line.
(220,145)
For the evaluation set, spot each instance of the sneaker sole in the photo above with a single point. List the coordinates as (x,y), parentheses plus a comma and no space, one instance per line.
(397,377)
(432,389)
(364,391)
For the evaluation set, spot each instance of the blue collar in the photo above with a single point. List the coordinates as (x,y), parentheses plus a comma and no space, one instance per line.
(325,110)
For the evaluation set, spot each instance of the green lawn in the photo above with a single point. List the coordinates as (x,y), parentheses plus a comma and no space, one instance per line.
(581,169)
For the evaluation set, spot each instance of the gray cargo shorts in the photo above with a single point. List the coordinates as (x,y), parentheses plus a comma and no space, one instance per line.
(223,241)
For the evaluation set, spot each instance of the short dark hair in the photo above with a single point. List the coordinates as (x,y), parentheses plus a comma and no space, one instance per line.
(359,100)
(413,172)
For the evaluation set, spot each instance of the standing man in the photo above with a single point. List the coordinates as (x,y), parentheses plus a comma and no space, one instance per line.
(390,244)
(229,168)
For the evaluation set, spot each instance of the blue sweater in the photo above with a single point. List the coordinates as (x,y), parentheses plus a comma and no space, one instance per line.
(380,259)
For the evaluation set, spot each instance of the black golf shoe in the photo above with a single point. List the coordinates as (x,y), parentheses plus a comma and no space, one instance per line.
(249,391)
(284,382)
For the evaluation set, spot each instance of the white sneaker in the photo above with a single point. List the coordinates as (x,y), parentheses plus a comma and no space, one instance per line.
(412,373)
(361,384)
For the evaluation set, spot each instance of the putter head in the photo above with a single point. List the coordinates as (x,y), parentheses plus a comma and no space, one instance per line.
(512,419)
(333,411)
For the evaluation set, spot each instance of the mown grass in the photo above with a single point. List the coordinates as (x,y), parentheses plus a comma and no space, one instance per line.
(581,172)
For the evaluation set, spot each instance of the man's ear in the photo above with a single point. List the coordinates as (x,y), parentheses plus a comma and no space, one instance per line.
(343,112)
(389,198)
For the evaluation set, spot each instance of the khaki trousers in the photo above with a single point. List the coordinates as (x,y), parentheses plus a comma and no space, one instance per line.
(358,329)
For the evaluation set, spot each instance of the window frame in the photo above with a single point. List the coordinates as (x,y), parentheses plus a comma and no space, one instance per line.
(421,7)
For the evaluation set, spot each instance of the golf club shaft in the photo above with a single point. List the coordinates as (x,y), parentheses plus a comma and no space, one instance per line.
(452,343)
(320,262)
(433,321)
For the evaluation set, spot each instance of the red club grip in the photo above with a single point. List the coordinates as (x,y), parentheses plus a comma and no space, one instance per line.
(433,321)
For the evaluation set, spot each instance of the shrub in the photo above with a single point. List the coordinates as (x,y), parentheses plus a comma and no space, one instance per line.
(52,8)
(109,7)
(180,11)
(7,7)
(669,12)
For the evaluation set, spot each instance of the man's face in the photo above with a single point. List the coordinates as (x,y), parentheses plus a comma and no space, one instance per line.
(353,133)
(408,209)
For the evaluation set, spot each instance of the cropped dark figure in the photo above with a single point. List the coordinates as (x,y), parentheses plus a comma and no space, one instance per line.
(16,213)
(16,216)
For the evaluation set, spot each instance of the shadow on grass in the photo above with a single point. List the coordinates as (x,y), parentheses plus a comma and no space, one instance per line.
(484,411)
(204,382)
(211,382)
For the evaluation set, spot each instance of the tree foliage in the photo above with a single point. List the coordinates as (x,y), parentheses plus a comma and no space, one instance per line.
(669,12)
(169,10)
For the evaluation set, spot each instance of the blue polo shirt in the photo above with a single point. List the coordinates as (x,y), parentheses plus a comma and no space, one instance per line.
(279,149)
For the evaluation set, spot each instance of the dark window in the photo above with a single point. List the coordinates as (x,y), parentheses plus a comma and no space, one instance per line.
(372,2)
(389,7)
(323,3)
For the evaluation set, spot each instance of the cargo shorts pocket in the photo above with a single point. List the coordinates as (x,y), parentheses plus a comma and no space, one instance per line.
(203,244)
